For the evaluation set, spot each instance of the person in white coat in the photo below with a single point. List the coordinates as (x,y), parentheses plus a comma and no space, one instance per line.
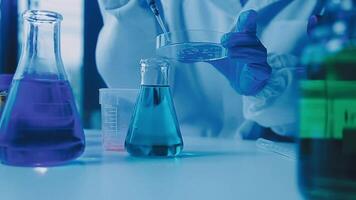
(206,102)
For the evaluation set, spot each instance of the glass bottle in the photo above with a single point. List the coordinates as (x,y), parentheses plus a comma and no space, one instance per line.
(154,128)
(327,145)
(40,124)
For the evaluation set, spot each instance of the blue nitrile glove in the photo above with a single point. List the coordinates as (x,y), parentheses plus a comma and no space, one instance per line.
(246,66)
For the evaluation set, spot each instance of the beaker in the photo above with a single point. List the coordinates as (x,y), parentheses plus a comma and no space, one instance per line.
(117,105)
(154,128)
(40,124)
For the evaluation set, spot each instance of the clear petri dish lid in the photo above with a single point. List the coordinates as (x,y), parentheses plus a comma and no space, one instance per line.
(191,45)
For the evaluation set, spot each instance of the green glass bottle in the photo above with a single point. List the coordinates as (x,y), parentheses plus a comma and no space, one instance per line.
(327,145)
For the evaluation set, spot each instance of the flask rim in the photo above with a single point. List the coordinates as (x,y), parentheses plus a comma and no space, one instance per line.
(42,16)
(154,62)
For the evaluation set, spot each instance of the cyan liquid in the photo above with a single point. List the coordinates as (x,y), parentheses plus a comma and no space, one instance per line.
(154,129)
(40,125)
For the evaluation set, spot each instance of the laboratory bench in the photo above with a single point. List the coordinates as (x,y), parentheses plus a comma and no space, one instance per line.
(207,169)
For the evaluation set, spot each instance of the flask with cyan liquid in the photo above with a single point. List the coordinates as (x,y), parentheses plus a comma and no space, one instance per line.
(154,128)
(40,124)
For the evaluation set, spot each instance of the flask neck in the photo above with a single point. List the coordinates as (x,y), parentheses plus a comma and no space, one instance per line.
(154,72)
(154,76)
(41,54)
(42,40)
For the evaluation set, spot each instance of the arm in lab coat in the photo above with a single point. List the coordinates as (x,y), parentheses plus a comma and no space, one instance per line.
(276,106)
(128,35)
(268,82)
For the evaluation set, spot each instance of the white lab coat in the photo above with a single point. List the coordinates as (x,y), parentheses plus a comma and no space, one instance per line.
(206,104)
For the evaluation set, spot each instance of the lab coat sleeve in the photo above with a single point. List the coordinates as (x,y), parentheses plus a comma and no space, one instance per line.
(127,36)
(112,4)
(276,105)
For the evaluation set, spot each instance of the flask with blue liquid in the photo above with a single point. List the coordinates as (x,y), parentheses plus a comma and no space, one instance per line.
(40,124)
(154,128)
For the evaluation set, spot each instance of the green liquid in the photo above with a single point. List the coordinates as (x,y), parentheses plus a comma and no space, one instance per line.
(327,148)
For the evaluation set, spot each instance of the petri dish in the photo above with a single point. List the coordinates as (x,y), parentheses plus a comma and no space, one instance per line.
(191,45)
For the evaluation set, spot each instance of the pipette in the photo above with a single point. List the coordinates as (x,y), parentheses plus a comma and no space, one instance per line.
(153,6)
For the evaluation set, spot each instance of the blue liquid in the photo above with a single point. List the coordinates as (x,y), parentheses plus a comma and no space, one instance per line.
(40,125)
(154,129)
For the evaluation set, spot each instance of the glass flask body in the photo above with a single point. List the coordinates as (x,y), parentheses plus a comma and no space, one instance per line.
(327,145)
(5,84)
(154,128)
(40,124)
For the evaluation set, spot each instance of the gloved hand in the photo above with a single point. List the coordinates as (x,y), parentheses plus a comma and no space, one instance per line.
(246,66)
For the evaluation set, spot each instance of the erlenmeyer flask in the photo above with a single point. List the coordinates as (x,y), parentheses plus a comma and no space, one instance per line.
(154,128)
(40,125)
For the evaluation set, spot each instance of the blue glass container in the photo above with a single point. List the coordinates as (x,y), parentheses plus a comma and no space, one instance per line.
(40,124)
(154,128)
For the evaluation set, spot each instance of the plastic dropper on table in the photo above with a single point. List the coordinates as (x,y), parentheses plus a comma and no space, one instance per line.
(268,145)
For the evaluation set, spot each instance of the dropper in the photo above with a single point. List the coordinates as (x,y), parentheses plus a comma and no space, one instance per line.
(153,6)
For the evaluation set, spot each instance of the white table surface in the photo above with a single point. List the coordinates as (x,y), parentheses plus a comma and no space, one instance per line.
(207,169)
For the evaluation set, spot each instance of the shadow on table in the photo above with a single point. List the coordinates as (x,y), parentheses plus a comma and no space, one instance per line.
(197,154)
(193,155)
(100,158)
(94,155)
